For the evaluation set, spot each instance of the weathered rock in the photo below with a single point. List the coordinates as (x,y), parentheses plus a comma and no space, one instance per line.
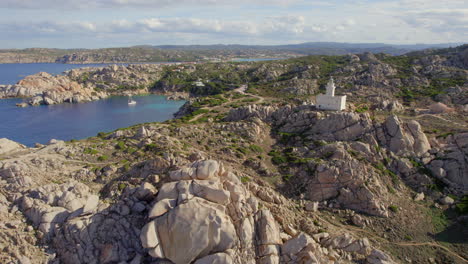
(379,257)
(218,258)
(406,138)
(447,200)
(419,197)
(295,245)
(7,145)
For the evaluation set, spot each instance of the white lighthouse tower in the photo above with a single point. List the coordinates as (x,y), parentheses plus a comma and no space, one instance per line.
(329,101)
(331,87)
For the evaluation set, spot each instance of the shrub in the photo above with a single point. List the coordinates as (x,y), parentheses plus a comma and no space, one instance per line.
(151,147)
(90,151)
(244,179)
(393,208)
(121,186)
(277,158)
(256,148)
(120,145)
(462,206)
(130,150)
(103,158)
(287,177)
(362,109)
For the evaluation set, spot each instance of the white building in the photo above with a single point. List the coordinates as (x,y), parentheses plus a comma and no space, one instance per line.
(329,101)
(199,83)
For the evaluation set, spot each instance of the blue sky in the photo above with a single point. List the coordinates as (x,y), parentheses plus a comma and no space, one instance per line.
(114,23)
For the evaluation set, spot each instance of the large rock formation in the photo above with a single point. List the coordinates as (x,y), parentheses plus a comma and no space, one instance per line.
(7,146)
(201,213)
(47,89)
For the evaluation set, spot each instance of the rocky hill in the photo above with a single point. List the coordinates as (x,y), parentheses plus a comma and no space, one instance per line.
(253,174)
(370,80)
(171,53)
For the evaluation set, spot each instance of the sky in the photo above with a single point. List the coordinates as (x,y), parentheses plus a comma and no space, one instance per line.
(118,23)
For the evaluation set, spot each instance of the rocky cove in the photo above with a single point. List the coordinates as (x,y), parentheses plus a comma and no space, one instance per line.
(76,87)
(256,175)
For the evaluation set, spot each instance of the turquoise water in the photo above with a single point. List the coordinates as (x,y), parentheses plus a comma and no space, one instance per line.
(76,121)
(12,73)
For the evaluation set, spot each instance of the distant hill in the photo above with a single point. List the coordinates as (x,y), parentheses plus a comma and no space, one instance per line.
(219,52)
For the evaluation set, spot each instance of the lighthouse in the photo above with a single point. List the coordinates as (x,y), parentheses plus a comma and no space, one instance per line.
(329,101)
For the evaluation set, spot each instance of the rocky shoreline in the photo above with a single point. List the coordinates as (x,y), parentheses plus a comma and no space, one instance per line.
(75,86)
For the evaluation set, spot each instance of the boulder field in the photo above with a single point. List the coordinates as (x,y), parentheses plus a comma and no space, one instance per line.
(147,195)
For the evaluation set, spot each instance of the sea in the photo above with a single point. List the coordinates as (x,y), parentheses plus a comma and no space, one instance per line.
(40,124)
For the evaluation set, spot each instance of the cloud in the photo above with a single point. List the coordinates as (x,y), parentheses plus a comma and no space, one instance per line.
(439,20)
(272,26)
(87,4)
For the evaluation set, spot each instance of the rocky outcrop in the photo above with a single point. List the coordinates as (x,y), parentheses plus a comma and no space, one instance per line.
(450,164)
(404,139)
(336,166)
(133,78)
(48,207)
(200,213)
(7,146)
(45,89)
(204,198)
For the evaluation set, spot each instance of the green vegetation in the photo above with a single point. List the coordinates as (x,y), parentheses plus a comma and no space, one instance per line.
(121,186)
(256,148)
(393,208)
(90,151)
(244,179)
(210,101)
(438,218)
(462,206)
(103,158)
(437,86)
(277,157)
(362,109)
(120,145)
(151,147)
(101,134)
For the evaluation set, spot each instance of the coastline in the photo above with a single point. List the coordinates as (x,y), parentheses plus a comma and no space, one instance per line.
(80,121)
(86,84)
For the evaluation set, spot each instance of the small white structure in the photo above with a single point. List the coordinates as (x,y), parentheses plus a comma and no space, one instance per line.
(329,101)
(199,83)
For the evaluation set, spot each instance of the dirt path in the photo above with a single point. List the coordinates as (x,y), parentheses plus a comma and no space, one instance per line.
(432,244)
(371,235)
(240,90)
(441,118)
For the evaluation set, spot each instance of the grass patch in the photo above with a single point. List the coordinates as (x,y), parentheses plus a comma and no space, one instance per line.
(245,179)
(439,220)
(120,145)
(90,151)
(103,158)
(277,157)
(393,208)
(256,148)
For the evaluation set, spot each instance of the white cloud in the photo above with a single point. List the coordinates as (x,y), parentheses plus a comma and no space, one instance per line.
(439,20)
(270,26)
(86,4)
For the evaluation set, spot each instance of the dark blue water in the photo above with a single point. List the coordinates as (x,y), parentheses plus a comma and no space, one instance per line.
(76,121)
(12,73)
